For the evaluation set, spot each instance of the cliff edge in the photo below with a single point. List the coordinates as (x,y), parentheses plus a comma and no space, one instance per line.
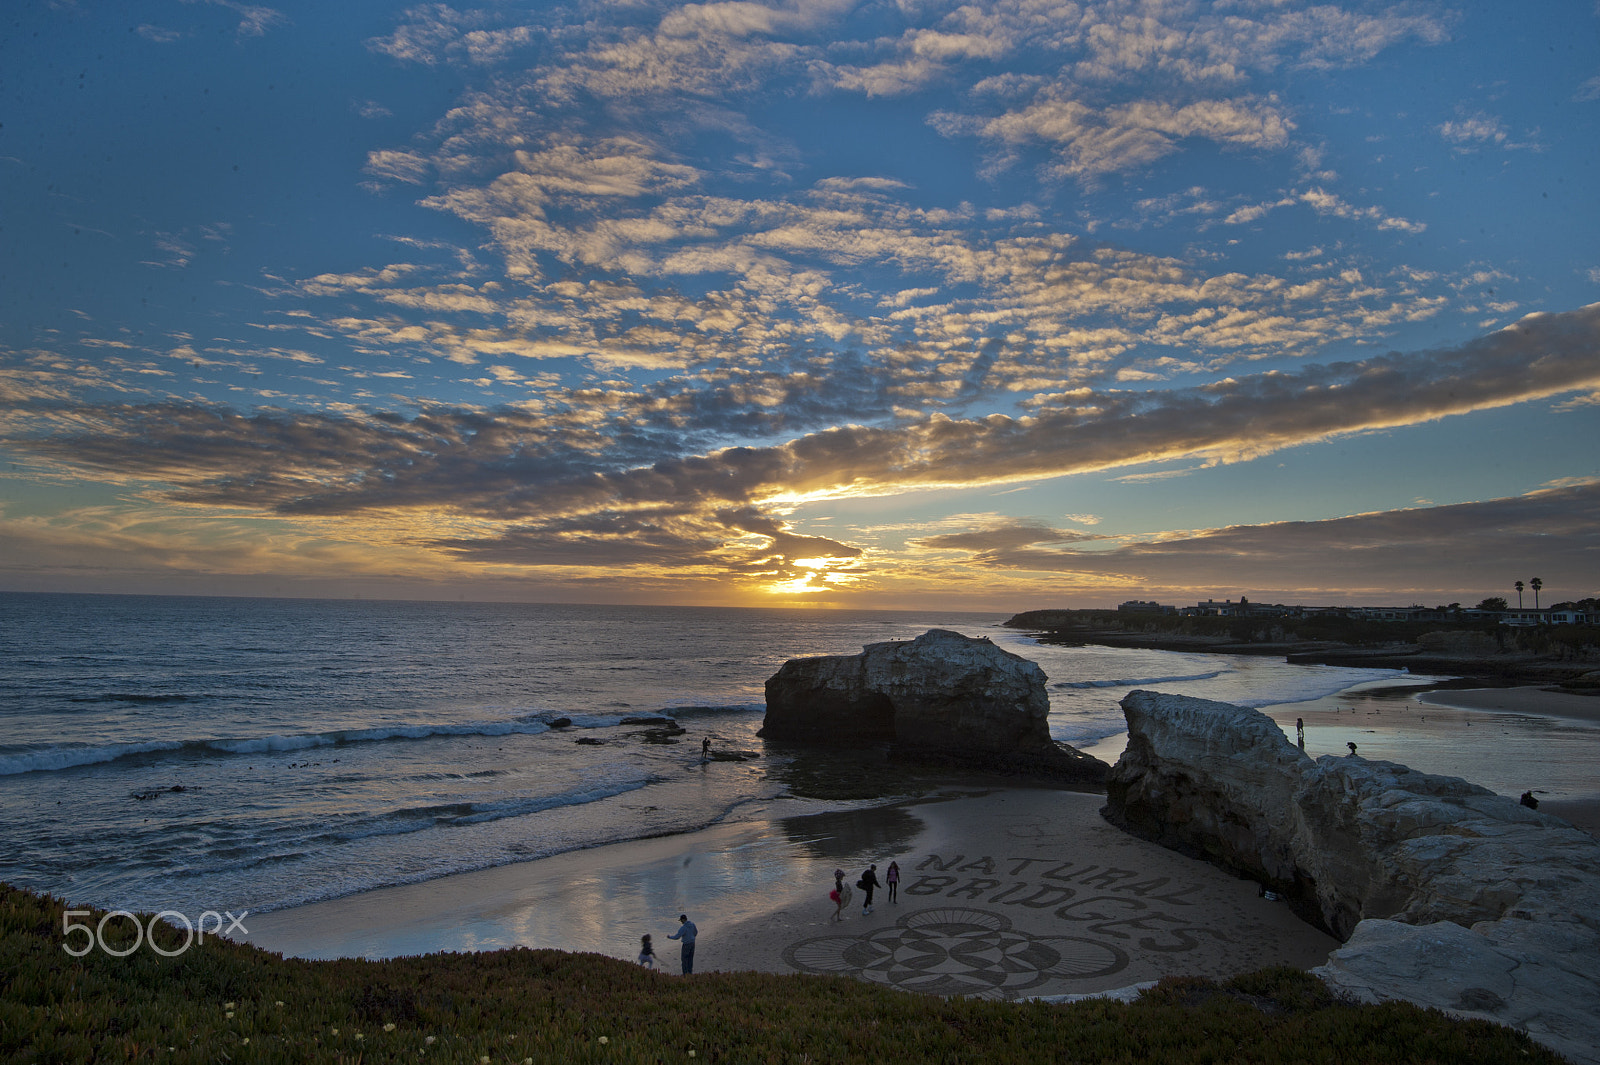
(1446,894)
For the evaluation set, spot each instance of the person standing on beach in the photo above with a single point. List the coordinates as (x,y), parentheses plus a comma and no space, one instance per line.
(840,894)
(892,880)
(867,883)
(686,932)
(647,953)
(1300,732)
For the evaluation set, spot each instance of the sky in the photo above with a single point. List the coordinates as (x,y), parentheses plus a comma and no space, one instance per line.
(817,303)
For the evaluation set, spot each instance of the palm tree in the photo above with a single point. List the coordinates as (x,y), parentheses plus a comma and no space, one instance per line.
(1536,584)
(1519,595)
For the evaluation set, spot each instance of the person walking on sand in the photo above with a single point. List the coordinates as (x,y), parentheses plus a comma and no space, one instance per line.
(867,883)
(840,895)
(891,879)
(647,953)
(686,932)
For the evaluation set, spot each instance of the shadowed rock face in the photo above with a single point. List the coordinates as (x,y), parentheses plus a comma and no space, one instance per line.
(941,689)
(1446,894)
(942,694)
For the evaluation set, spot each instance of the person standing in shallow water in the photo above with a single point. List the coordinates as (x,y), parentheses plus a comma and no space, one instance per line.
(686,932)
(891,880)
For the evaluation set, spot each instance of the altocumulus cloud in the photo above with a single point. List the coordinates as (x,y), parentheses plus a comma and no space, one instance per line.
(560,494)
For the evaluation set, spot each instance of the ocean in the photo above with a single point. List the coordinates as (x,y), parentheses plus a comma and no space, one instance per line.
(193,754)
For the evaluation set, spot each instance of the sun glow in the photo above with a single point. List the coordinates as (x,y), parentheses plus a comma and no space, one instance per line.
(796,586)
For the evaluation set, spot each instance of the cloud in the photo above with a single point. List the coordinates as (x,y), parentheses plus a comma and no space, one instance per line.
(1327,203)
(1480,130)
(563,490)
(254,19)
(1092,141)
(157,34)
(1001,538)
(1396,555)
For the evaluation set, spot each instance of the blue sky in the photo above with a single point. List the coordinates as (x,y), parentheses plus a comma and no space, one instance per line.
(995,305)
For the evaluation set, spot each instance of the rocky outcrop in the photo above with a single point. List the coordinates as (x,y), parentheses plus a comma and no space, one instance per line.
(1446,894)
(942,696)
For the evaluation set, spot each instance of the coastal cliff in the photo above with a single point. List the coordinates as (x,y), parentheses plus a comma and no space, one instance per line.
(1446,894)
(1564,656)
(940,697)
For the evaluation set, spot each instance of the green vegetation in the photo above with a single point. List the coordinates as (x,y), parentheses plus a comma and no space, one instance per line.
(226,1002)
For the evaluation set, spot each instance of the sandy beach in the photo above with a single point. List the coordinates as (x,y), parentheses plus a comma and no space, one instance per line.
(1509,740)
(1007,893)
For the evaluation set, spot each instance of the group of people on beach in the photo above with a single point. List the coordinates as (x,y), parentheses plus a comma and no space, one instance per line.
(868,883)
(685,934)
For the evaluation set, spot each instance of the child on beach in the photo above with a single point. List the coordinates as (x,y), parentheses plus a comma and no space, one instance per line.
(647,953)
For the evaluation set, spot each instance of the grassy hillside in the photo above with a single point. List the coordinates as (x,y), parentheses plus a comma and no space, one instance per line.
(227,1002)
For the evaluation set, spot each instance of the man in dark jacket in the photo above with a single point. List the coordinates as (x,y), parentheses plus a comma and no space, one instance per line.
(868,883)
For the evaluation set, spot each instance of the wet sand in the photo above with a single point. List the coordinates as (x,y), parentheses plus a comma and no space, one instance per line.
(1509,740)
(1005,894)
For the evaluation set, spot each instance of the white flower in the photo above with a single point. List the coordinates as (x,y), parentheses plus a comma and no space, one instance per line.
(335,1031)
(360,1036)
(389,1027)
(484,1059)
(604,1040)
(279,1004)
(227,1005)
(228,1015)
(246,1042)
(429,1040)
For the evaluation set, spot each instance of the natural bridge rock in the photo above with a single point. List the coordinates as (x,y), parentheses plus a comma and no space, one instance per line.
(942,696)
(1446,894)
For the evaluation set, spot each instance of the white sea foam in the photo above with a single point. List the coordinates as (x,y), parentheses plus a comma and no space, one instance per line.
(72,756)
(267,752)
(1135,682)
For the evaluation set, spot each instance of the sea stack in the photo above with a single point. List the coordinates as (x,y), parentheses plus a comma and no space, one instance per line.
(940,697)
(1447,894)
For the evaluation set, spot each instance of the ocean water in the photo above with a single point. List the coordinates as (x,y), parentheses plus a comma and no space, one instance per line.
(192,754)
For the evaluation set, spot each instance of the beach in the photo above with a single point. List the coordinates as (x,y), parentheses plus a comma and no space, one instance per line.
(381,779)
(1509,740)
(1005,893)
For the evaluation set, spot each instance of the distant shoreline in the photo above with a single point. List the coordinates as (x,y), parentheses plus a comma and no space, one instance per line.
(1466,670)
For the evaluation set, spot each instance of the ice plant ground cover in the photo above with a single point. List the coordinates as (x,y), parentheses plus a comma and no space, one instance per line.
(222,1001)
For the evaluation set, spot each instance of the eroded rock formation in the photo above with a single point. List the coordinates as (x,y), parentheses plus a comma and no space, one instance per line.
(940,696)
(1446,894)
